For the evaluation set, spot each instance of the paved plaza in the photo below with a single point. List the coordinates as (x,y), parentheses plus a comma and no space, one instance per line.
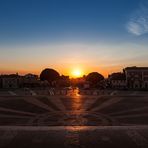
(117,119)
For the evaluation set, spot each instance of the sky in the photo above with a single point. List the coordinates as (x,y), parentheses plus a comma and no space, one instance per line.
(91,35)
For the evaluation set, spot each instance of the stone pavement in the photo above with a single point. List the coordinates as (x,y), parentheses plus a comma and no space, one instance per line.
(74,137)
(74,110)
(74,121)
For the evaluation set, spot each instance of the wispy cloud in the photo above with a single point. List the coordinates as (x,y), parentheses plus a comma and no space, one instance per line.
(138,23)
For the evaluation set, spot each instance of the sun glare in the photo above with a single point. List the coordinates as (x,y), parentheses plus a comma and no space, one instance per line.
(77,73)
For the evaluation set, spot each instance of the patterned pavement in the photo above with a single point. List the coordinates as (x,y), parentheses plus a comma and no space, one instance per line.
(78,110)
(74,121)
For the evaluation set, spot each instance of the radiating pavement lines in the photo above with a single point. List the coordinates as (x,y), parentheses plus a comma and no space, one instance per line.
(7,98)
(31,120)
(132,116)
(15,116)
(107,103)
(88,103)
(16,111)
(38,103)
(40,120)
(128,111)
(57,102)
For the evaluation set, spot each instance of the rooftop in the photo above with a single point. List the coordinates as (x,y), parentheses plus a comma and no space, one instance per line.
(136,68)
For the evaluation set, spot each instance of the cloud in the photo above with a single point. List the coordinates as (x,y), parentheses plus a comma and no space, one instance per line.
(138,23)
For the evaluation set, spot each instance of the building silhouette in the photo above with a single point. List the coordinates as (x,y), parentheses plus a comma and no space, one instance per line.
(136,77)
(133,78)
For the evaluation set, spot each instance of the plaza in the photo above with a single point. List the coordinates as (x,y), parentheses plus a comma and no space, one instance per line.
(73,118)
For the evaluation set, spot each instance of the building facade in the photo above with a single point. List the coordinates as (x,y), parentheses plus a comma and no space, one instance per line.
(29,80)
(117,81)
(9,81)
(17,81)
(136,77)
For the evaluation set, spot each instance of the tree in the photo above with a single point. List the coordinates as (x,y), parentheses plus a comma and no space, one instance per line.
(50,75)
(94,78)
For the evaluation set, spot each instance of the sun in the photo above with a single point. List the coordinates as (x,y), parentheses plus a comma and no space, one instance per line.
(77,73)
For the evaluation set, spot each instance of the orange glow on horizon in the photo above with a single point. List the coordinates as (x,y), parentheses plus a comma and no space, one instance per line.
(76,72)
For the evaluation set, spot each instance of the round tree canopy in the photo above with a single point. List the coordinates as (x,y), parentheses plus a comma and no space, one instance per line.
(94,77)
(49,75)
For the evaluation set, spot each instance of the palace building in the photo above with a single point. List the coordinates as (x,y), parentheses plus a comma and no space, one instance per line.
(136,77)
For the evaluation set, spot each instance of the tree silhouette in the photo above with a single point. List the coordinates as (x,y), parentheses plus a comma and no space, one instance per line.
(50,75)
(94,78)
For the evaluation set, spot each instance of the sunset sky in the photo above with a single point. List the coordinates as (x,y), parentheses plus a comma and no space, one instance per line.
(91,35)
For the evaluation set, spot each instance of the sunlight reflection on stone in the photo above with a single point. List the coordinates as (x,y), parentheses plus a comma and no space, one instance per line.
(76,128)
